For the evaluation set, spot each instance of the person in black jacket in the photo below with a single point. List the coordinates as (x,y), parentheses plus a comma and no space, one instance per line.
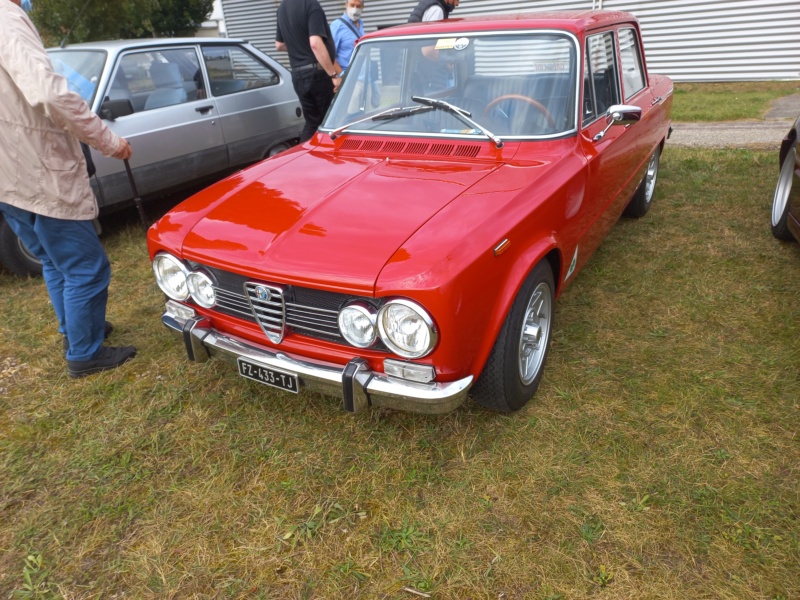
(432,10)
(304,33)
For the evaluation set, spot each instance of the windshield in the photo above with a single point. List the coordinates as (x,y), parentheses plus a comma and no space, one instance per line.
(514,85)
(81,68)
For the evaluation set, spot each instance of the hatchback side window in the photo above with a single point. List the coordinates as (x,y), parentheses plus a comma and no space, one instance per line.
(157,78)
(601,81)
(231,69)
(630,56)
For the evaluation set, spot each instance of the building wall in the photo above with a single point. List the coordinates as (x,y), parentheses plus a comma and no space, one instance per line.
(713,40)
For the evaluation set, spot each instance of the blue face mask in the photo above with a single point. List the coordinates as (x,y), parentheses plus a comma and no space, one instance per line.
(26,5)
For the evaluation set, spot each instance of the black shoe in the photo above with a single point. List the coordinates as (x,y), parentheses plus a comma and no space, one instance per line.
(107,329)
(108,357)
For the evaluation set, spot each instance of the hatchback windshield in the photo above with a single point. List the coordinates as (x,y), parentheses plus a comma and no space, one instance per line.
(82,69)
(512,85)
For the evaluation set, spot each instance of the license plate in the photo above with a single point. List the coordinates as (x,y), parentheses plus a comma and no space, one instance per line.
(262,374)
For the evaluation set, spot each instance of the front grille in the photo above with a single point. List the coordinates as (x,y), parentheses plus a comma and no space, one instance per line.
(305,311)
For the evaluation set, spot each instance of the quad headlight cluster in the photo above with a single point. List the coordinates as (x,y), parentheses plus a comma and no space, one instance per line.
(177,282)
(404,326)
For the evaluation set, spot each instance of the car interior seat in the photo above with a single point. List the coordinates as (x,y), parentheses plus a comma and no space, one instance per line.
(169,86)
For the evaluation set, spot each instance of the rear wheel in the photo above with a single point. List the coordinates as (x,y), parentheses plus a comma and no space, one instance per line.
(780,202)
(515,366)
(643,197)
(15,256)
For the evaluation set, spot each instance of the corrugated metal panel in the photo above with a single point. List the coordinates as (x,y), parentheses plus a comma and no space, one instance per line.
(715,40)
(719,40)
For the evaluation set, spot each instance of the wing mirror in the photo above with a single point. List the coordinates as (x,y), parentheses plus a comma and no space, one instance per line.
(619,114)
(111,110)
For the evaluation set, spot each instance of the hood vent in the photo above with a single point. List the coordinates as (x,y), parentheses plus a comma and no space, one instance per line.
(394,147)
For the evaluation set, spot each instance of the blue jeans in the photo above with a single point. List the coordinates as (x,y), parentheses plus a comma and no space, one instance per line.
(76,271)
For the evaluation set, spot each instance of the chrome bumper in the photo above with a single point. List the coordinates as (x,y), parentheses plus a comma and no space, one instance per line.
(355,383)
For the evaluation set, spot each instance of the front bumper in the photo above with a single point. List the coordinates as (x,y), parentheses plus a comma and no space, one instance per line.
(356,384)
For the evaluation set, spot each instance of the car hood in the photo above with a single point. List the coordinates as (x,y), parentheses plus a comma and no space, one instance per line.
(328,222)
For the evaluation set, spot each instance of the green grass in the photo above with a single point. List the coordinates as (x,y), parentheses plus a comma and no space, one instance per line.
(658,460)
(728,101)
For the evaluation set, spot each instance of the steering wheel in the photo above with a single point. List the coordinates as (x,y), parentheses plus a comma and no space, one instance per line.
(535,103)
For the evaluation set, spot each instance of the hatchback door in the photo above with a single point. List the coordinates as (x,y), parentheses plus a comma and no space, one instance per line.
(174,129)
(258,107)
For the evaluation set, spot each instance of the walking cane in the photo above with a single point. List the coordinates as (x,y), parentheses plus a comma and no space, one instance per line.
(136,199)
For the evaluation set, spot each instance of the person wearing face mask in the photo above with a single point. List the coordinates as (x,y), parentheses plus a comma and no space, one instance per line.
(346,31)
(45,196)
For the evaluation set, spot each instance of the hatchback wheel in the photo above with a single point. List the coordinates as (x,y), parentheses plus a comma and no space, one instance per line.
(15,256)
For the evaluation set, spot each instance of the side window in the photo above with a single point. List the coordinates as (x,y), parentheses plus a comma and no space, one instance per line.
(231,69)
(601,81)
(157,78)
(632,72)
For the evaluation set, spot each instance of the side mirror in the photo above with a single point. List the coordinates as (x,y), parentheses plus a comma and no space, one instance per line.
(619,114)
(111,110)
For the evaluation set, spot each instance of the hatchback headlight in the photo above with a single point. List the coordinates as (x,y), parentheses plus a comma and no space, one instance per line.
(201,287)
(357,324)
(171,276)
(406,328)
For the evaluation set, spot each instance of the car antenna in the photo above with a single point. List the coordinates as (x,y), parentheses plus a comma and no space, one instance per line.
(77,19)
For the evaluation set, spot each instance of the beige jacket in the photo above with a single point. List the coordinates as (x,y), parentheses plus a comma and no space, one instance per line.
(42,168)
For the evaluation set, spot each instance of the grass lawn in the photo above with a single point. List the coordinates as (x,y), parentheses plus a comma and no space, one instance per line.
(659,459)
(728,101)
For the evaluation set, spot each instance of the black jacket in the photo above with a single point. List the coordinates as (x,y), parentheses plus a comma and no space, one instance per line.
(419,10)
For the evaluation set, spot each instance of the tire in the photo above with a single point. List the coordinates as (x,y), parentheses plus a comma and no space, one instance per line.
(780,202)
(643,197)
(15,256)
(516,364)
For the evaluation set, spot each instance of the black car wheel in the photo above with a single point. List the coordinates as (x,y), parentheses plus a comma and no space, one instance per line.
(643,197)
(15,256)
(780,202)
(515,366)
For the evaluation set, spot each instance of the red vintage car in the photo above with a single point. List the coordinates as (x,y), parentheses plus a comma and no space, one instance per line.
(411,252)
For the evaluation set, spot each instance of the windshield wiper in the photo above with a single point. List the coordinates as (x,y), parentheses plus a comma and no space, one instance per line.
(389,113)
(459,113)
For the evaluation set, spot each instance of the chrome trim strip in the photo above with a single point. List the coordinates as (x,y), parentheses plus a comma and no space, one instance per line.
(367,387)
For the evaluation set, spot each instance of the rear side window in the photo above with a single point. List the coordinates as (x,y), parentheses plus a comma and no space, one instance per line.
(632,72)
(600,76)
(231,69)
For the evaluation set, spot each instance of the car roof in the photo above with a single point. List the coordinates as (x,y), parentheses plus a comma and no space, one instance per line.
(569,20)
(118,45)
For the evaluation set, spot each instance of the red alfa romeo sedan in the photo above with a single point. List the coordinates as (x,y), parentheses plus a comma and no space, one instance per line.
(411,252)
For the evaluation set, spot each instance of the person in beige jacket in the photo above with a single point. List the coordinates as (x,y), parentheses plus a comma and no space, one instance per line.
(45,195)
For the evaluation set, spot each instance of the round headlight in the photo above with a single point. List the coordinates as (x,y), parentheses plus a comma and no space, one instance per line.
(406,328)
(357,324)
(201,287)
(171,276)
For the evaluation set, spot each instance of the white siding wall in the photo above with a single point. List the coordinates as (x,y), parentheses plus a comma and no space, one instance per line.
(712,40)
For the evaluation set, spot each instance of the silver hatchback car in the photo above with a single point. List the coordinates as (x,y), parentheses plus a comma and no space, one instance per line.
(192,109)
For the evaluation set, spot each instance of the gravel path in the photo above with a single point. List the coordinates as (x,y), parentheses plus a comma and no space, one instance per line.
(765,134)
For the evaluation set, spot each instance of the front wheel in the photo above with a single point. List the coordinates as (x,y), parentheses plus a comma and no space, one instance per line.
(643,197)
(780,203)
(15,256)
(515,366)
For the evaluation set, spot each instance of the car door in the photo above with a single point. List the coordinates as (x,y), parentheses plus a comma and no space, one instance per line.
(611,156)
(258,108)
(174,129)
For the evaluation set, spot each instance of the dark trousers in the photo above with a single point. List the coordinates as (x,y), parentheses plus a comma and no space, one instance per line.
(76,272)
(315,91)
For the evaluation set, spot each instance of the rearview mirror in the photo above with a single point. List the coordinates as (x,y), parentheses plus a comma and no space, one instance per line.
(113,109)
(619,114)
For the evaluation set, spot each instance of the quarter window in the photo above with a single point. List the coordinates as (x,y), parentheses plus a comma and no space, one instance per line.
(632,72)
(231,70)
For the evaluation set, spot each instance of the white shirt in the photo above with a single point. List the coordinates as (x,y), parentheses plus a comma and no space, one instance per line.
(434,13)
